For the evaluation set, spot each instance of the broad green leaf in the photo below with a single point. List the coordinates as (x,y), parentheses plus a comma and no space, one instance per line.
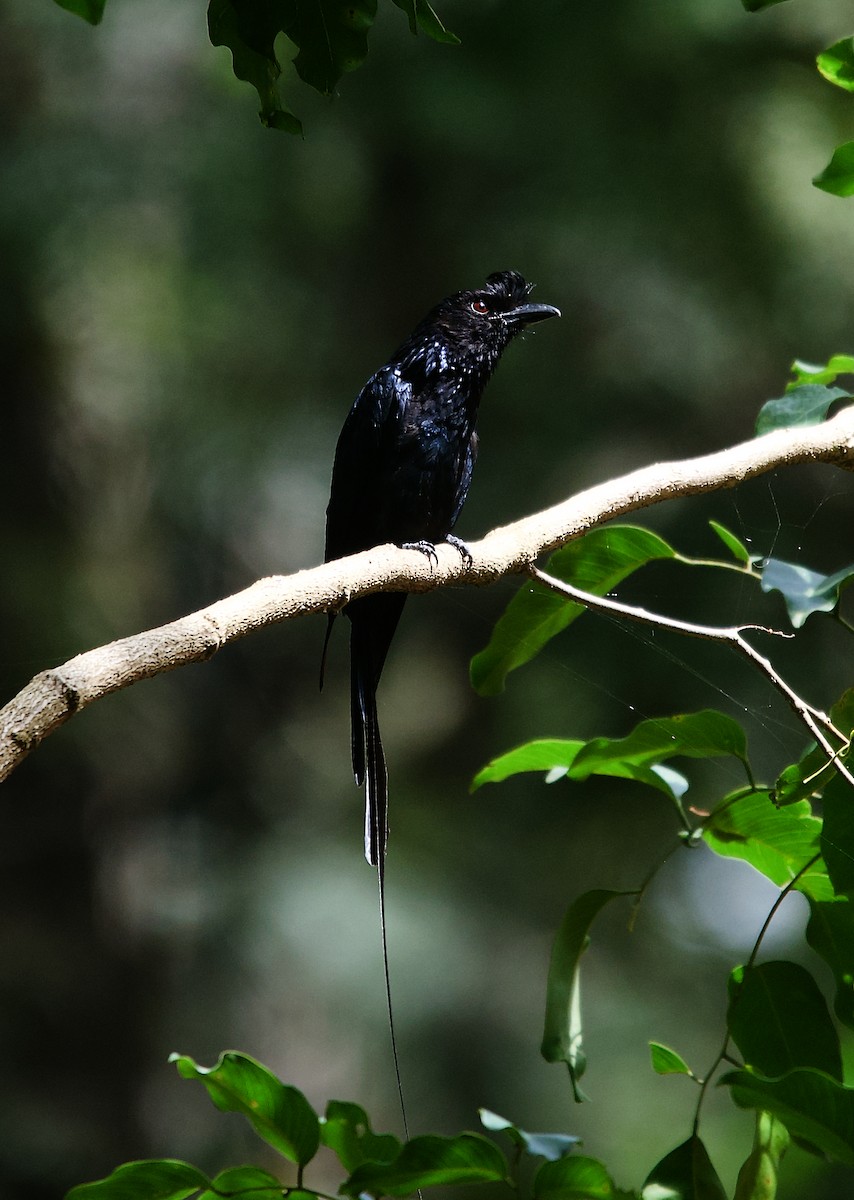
(594,563)
(90,10)
(779,1020)
(804,591)
(813,773)
(249,1182)
(837,837)
(705,734)
(686,1173)
(806,404)
(552,1146)
(837,63)
(575,1178)
(838,176)
(428,1162)
(154,1179)
(736,548)
(250,34)
(332,38)
(546,754)
(776,842)
(829,372)
(810,1104)
(757,1179)
(347,1131)
(281,1115)
(422,14)
(562,1032)
(667,1062)
(830,932)
(638,756)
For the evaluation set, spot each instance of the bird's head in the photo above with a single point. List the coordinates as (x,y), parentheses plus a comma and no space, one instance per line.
(485,320)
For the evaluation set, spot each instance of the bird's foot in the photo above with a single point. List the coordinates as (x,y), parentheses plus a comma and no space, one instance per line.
(423,547)
(461,549)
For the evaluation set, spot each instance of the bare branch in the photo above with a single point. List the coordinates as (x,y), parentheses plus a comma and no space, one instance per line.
(55,695)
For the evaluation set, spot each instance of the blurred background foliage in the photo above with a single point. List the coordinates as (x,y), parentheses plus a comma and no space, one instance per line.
(190,304)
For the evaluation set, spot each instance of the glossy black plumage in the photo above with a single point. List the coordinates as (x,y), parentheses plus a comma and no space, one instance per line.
(402,471)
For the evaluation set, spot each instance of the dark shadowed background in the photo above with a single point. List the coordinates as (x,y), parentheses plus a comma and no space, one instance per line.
(188,305)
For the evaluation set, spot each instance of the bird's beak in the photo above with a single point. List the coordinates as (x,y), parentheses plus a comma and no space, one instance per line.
(527,314)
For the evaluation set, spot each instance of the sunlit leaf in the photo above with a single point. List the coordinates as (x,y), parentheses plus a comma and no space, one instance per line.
(551,1146)
(638,755)
(736,548)
(422,14)
(803,405)
(830,932)
(686,1173)
(594,563)
(836,63)
(428,1162)
(90,10)
(777,842)
(810,1104)
(347,1131)
(778,1018)
(829,372)
(281,1115)
(757,1179)
(804,591)
(562,1032)
(575,1178)
(666,1061)
(838,176)
(155,1179)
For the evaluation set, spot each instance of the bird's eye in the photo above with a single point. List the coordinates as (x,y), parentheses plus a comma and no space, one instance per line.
(480,307)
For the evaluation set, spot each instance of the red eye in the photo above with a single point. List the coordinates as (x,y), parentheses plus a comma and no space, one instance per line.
(480,307)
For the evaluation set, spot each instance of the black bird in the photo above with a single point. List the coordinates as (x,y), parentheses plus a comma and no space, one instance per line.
(402,471)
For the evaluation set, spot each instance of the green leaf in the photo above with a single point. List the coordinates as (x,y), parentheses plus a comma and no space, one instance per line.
(562,1033)
(806,404)
(837,63)
(667,1062)
(90,10)
(838,176)
(686,1173)
(736,548)
(829,372)
(250,33)
(281,1115)
(837,837)
(776,842)
(428,1162)
(154,1179)
(758,5)
(811,1105)
(638,756)
(804,591)
(552,1146)
(332,38)
(255,1183)
(423,14)
(779,1020)
(547,754)
(575,1178)
(757,1179)
(830,932)
(595,563)
(346,1130)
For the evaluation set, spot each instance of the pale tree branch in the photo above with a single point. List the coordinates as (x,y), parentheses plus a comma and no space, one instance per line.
(54,695)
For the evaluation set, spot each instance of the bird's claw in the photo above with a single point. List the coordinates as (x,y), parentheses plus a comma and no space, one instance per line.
(423,547)
(461,549)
